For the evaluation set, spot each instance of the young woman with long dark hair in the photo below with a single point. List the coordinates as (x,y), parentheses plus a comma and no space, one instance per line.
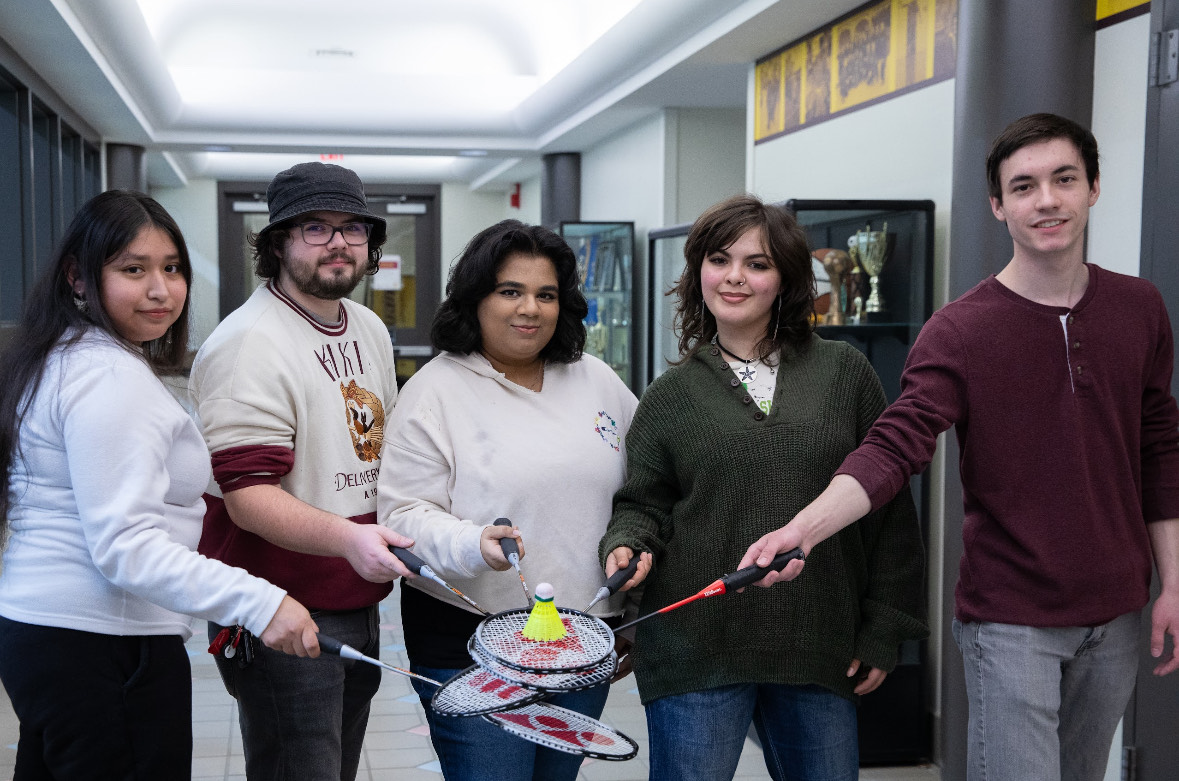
(101,477)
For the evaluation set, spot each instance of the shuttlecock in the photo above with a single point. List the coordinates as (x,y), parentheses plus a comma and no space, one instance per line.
(544,622)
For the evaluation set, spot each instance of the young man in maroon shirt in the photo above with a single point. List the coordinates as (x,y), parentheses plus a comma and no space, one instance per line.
(1056,375)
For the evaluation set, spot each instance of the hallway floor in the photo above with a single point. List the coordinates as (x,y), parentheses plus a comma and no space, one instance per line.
(397,744)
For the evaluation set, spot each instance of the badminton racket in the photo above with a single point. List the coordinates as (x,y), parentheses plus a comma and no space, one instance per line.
(587,639)
(615,581)
(726,583)
(587,642)
(419,567)
(512,554)
(551,683)
(537,722)
(473,692)
(565,730)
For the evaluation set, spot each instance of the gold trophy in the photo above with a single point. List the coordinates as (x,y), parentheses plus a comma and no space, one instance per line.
(837,263)
(869,248)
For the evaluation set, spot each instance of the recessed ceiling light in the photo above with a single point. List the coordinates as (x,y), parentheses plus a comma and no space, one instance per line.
(334,51)
(218,148)
(473,153)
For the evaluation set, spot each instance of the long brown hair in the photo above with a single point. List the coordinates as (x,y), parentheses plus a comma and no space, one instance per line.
(785,242)
(105,226)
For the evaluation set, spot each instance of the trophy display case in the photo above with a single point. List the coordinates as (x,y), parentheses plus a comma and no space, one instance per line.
(877,299)
(605,263)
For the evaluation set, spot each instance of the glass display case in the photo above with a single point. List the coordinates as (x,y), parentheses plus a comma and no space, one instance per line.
(605,262)
(886,258)
(895,237)
(665,251)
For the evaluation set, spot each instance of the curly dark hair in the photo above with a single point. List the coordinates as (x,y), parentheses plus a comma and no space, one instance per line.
(268,245)
(473,278)
(1035,129)
(785,243)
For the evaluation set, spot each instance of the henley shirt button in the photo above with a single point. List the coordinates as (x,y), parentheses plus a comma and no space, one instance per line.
(734,382)
(1071,318)
(1076,345)
(758,415)
(714,351)
(747,399)
(1080,369)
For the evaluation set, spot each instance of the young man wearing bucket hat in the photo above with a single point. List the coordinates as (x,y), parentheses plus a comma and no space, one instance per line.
(292,390)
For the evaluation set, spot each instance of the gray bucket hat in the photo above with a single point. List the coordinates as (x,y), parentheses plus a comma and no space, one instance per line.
(313,187)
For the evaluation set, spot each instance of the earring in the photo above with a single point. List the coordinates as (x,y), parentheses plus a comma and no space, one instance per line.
(80,302)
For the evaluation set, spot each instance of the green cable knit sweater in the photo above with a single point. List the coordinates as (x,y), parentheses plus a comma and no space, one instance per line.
(708,474)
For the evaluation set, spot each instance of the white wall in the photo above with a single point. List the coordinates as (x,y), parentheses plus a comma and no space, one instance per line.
(901,148)
(466,212)
(195,210)
(709,155)
(1119,122)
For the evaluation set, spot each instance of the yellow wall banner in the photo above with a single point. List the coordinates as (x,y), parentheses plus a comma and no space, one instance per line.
(1107,8)
(882,49)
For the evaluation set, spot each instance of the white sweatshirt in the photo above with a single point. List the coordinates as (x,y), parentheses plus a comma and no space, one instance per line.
(106,508)
(465,446)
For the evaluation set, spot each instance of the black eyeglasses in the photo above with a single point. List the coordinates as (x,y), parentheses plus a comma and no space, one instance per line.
(317,233)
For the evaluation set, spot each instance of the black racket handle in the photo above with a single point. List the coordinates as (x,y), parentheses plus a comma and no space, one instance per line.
(508,544)
(753,573)
(615,581)
(329,644)
(409,559)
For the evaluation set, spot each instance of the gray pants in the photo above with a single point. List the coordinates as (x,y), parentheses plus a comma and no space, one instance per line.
(304,719)
(1045,702)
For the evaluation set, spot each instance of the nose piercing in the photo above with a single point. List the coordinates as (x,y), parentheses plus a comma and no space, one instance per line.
(740,282)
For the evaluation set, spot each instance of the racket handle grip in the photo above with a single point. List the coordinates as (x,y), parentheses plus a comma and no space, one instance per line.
(329,645)
(615,581)
(508,544)
(753,573)
(409,559)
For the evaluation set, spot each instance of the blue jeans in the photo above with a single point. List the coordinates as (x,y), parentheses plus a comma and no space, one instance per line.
(305,718)
(470,749)
(97,707)
(807,733)
(1045,702)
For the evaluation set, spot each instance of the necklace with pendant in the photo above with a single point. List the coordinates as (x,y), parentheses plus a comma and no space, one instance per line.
(747,373)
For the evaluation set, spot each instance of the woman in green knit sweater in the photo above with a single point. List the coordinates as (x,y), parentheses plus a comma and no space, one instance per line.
(725,446)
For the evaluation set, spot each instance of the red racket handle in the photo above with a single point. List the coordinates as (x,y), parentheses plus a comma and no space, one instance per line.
(508,544)
(753,573)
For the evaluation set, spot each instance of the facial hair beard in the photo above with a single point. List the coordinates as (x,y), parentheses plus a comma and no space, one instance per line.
(338,285)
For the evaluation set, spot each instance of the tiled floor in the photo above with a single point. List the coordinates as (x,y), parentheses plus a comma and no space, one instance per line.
(397,744)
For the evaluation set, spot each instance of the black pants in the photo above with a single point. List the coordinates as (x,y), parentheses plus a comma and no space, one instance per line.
(94,706)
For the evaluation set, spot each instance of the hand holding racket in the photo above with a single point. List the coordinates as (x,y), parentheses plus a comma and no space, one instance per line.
(762,553)
(620,559)
(494,543)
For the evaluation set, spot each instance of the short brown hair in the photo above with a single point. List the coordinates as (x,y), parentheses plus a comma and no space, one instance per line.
(1034,129)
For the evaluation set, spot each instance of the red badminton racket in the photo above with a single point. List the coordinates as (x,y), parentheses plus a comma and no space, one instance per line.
(722,585)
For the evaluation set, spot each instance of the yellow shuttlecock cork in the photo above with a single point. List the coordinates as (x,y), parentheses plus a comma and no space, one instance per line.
(544,622)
